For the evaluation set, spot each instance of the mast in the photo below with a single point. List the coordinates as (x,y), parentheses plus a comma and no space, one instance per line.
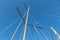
(25,27)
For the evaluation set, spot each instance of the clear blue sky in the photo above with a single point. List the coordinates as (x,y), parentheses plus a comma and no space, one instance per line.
(44,12)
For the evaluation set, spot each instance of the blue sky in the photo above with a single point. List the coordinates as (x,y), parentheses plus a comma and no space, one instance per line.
(43,13)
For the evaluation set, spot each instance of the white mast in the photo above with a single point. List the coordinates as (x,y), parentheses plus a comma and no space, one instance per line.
(57,35)
(25,26)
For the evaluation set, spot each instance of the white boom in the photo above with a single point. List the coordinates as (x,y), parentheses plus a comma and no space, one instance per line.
(57,35)
(25,26)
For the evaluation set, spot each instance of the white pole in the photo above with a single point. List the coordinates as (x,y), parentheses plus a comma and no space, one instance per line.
(25,26)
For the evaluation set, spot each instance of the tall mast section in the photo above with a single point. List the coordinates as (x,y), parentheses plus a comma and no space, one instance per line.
(25,27)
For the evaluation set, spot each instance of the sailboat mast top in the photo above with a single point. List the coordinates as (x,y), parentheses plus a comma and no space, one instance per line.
(25,27)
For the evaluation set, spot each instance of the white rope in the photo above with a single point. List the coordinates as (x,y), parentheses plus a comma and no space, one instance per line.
(53,15)
(40,38)
(30,34)
(53,9)
(35,36)
(43,35)
(20,37)
(9,26)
